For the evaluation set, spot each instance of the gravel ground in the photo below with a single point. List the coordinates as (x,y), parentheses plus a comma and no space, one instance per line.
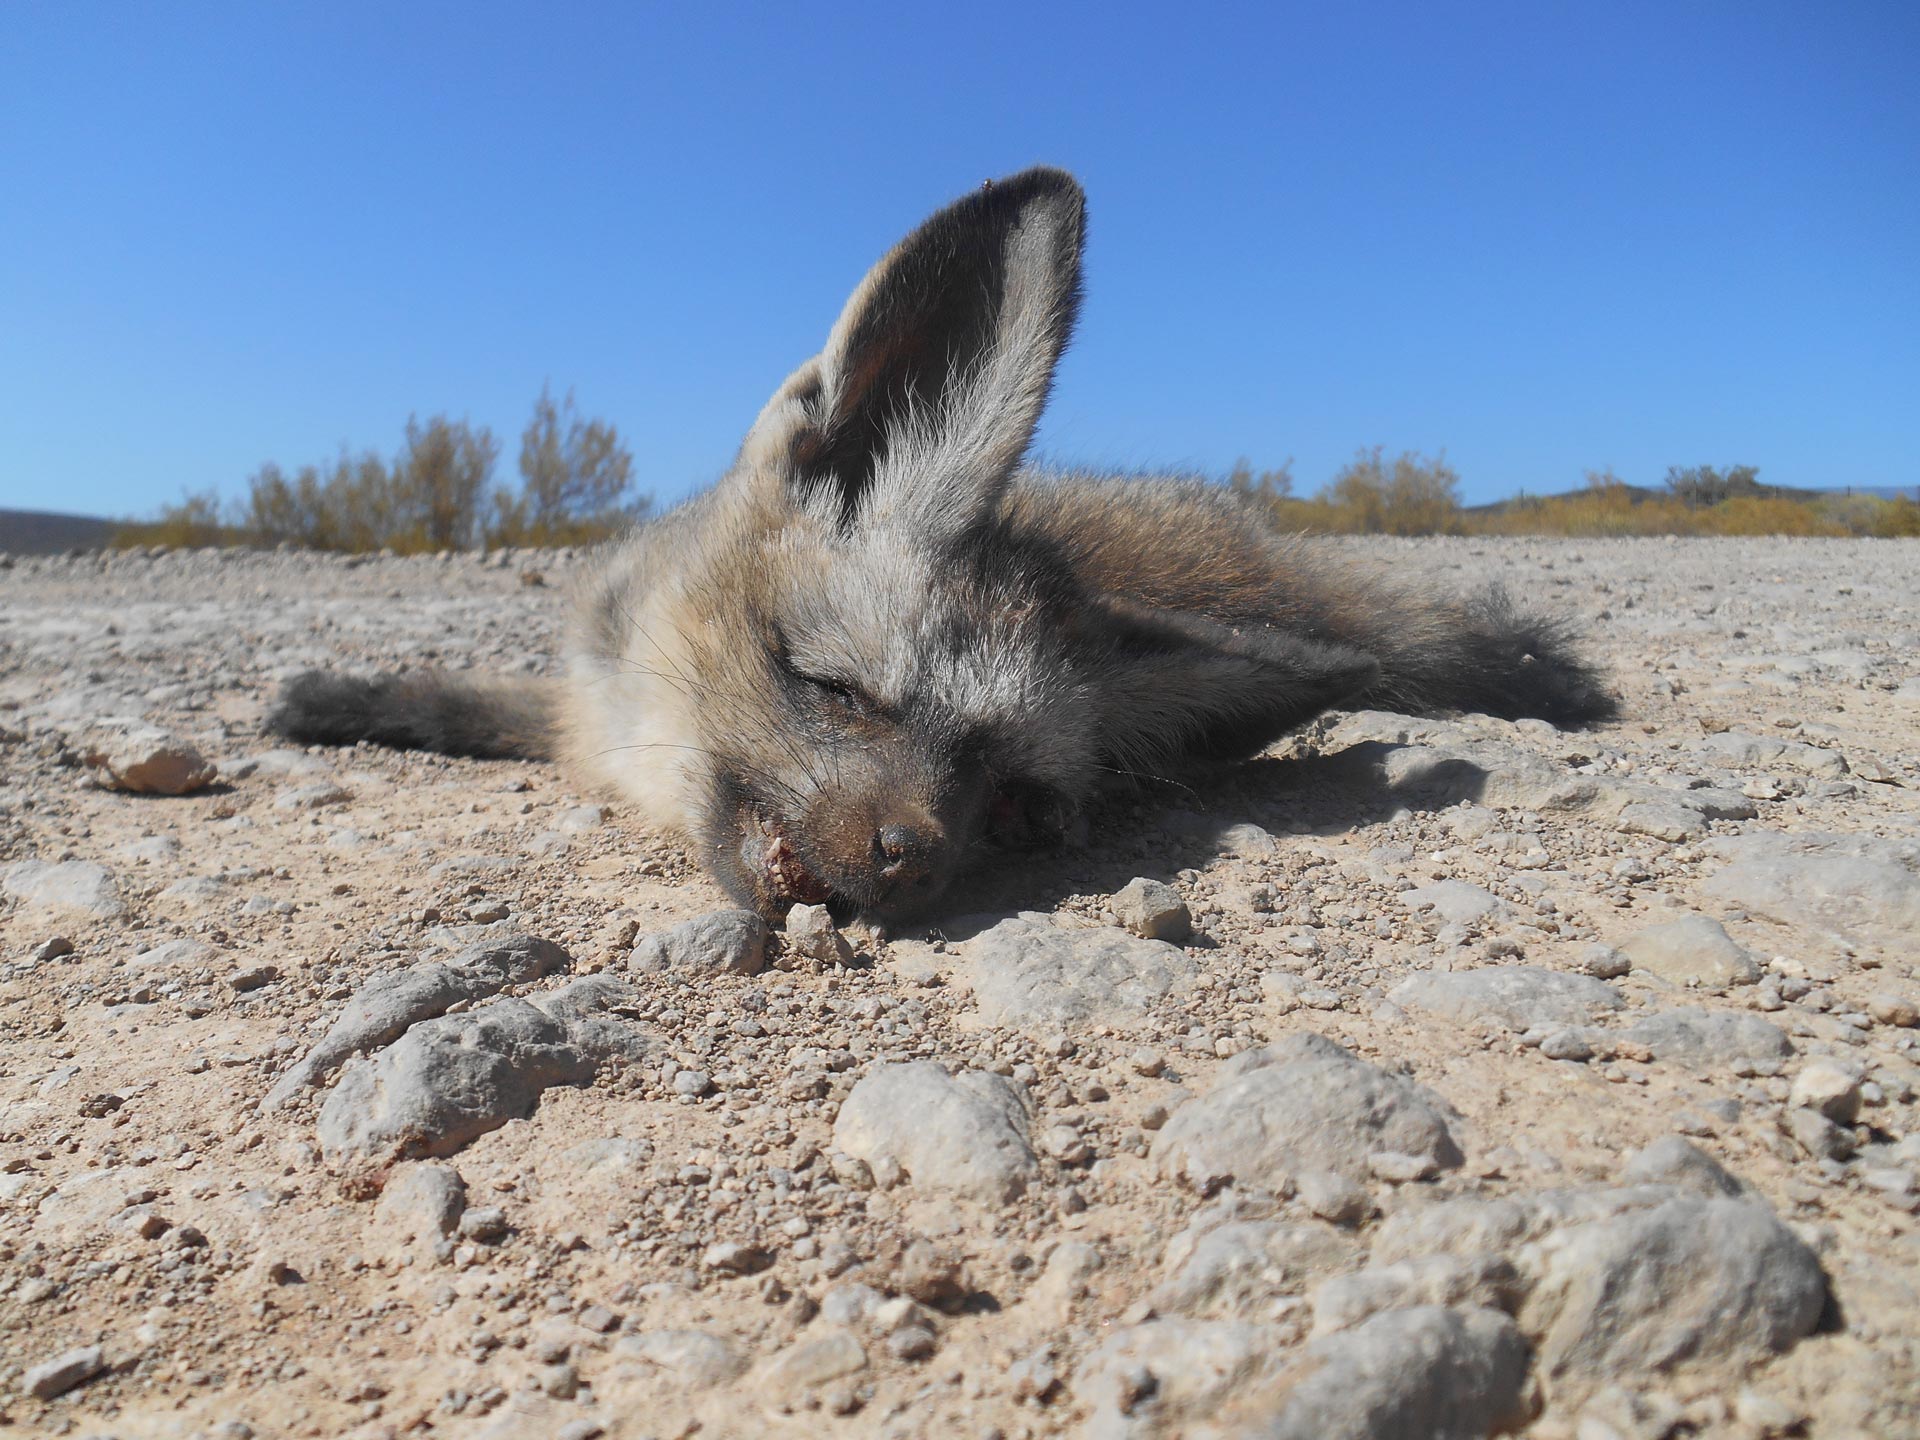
(1442,1078)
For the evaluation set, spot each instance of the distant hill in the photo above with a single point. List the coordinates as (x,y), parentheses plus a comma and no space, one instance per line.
(1879,492)
(1636,493)
(1641,493)
(41,532)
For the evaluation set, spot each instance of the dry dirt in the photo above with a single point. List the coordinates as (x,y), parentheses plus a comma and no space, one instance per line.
(240,1280)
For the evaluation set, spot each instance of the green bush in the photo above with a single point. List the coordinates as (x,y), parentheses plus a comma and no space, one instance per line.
(434,494)
(576,480)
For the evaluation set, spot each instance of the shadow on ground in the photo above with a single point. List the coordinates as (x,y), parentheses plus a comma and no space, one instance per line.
(1166,827)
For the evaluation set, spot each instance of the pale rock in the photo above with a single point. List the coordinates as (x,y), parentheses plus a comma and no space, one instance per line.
(696,1359)
(596,1011)
(1237,1269)
(1709,1038)
(1149,1381)
(812,1361)
(1677,1162)
(1303,1103)
(1689,1281)
(964,1133)
(1152,910)
(1890,1008)
(1662,819)
(1333,1197)
(1516,997)
(383,1009)
(1861,888)
(449,1080)
(1603,962)
(1028,973)
(53,1378)
(1575,1045)
(1817,1135)
(1830,1086)
(485,1223)
(726,942)
(1454,901)
(812,933)
(1693,950)
(1397,1167)
(149,761)
(183,954)
(75,887)
(420,1203)
(1733,748)
(1344,1301)
(1420,1374)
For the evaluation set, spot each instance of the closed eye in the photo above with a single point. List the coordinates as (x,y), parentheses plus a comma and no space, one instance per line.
(840,691)
(830,687)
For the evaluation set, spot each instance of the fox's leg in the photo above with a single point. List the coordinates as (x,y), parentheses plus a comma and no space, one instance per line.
(1178,687)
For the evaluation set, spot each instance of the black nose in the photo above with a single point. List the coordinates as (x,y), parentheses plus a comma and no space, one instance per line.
(905,853)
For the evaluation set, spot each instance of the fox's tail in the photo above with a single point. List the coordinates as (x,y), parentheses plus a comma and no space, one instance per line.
(1482,653)
(486,718)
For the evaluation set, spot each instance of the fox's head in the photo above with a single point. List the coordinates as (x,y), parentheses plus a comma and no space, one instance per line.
(879,676)
(864,656)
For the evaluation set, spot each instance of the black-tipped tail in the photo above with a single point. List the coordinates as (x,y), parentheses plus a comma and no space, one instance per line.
(1496,659)
(485,719)
(1531,666)
(1487,655)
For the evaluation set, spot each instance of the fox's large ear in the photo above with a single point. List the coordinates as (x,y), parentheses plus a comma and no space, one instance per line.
(933,379)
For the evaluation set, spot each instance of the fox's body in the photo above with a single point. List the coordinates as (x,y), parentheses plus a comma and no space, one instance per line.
(878,645)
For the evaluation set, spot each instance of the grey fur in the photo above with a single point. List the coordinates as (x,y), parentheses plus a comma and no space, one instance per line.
(876,644)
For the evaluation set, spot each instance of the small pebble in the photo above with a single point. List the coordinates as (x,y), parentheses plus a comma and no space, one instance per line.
(1829,1087)
(1566,1045)
(55,1377)
(598,1319)
(732,1258)
(486,1222)
(1147,1062)
(931,1274)
(1401,1169)
(812,933)
(1817,1135)
(1153,910)
(912,1342)
(1891,1009)
(1333,1197)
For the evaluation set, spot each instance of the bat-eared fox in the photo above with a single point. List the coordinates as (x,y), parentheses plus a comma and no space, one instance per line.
(879,647)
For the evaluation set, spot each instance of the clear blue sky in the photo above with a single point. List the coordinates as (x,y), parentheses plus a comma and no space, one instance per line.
(1546,237)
